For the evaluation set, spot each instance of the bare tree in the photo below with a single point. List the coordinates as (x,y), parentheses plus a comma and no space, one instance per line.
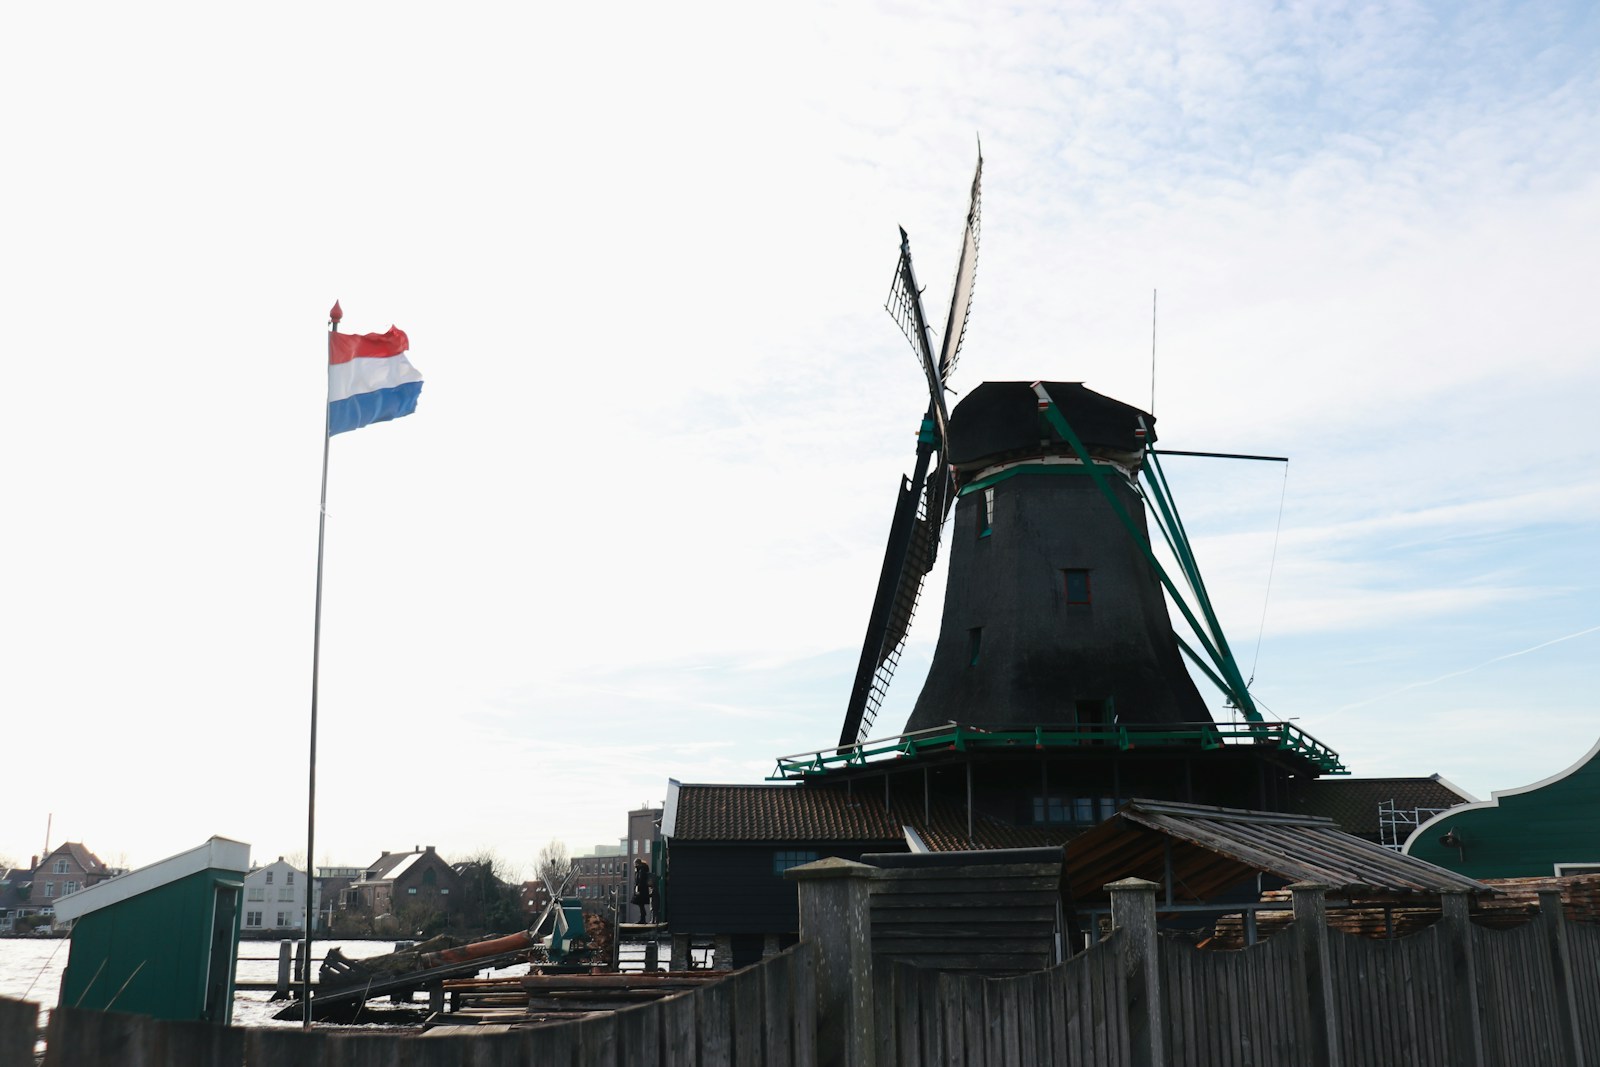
(553,867)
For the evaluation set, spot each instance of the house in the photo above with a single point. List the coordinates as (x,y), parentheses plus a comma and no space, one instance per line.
(69,869)
(1543,829)
(15,883)
(274,899)
(414,887)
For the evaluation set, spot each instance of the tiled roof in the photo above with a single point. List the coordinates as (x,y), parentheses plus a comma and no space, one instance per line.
(818,813)
(1353,802)
(780,813)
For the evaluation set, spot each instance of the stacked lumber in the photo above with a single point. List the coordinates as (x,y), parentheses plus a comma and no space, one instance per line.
(1515,902)
(540,998)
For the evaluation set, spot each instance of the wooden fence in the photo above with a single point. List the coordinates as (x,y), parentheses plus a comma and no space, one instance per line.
(1452,995)
(763,1015)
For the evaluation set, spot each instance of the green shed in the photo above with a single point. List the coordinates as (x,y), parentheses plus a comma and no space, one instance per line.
(160,940)
(1548,828)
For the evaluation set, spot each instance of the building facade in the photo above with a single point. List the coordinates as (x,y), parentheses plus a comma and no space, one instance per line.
(274,899)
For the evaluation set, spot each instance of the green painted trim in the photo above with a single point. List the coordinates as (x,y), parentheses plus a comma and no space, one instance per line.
(1162,492)
(1210,736)
(1023,468)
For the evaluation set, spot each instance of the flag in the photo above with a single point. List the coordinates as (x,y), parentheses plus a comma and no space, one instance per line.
(369,379)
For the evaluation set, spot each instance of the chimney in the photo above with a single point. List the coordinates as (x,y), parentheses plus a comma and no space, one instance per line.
(430,848)
(33,863)
(385,853)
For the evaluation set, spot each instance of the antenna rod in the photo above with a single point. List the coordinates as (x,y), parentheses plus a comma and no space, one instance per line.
(1152,351)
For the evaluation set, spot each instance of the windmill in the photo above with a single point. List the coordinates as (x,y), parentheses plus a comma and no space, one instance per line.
(925,499)
(1055,611)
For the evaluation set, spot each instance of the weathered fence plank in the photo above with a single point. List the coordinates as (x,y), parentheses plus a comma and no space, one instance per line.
(597,1042)
(19,1022)
(777,1010)
(555,1044)
(713,1005)
(282,1048)
(77,1036)
(639,1035)
(680,1041)
(744,990)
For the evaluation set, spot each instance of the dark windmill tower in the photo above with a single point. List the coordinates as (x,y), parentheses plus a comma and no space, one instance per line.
(1056,636)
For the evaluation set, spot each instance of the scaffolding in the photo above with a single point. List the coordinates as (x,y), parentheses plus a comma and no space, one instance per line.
(1396,824)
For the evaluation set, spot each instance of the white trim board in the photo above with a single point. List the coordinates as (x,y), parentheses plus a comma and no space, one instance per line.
(219,853)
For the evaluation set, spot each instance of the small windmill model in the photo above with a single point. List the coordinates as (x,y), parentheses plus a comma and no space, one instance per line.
(925,499)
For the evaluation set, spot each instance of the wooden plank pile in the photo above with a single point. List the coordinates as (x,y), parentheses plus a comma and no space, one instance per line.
(1516,903)
(534,999)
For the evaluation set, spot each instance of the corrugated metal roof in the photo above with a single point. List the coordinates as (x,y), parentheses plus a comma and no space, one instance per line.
(1215,849)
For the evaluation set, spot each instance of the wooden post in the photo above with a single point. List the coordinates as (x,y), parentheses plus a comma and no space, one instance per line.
(1466,1016)
(1311,938)
(1133,911)
(679,960)
(835,920)
(652,953)
(283,971)
(722,952)
(1555,926)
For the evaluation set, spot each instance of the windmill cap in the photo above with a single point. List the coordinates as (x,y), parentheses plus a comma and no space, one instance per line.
(1001,420)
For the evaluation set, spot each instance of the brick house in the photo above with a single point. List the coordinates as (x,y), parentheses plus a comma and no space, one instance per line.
(63,872)
(397,883)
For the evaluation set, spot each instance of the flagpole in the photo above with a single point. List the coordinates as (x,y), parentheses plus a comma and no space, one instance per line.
(316,662)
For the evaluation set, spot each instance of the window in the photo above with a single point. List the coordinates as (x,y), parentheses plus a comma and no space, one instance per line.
(430,876)
(286,892)
(61,867)
(71,888)
(1083,811)
(1051,809)
(252,918)
(1077,586)
(255,893)
(412,891)
(269,877)
(284,920)
(49,889)
(288,879)
(974,645)
(986,516)
(783,859)
(444,892)
(1563,869)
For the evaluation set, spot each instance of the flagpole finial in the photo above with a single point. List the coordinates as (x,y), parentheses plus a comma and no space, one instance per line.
(335,314)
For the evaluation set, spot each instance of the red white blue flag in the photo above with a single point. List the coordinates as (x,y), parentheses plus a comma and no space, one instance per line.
(369,379)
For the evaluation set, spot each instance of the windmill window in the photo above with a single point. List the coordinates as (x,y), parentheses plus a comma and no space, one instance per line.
(974,645)
(986,516)
(1077,586)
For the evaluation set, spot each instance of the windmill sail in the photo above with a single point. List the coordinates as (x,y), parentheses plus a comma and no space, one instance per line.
(925,499)
(955,327)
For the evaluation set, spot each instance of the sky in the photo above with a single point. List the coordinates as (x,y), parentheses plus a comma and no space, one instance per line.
(642,253)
